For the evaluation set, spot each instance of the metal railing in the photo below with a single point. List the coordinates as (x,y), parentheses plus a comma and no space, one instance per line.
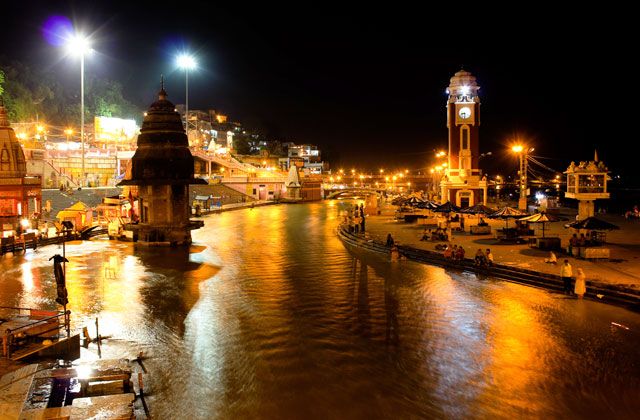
(46,324)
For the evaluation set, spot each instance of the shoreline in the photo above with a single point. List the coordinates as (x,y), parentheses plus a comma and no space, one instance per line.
(605,293)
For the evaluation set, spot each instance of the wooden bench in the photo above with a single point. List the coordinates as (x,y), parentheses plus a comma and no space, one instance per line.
(7,245)
(30,240)
(480,229)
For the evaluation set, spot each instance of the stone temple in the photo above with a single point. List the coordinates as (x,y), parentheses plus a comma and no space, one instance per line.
(162,169)
(20,194)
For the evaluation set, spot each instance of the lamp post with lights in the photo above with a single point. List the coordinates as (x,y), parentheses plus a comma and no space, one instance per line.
(80,45)
(522,152)
(186,62)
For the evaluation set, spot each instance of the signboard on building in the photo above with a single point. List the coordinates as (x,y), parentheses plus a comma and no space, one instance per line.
(115,132)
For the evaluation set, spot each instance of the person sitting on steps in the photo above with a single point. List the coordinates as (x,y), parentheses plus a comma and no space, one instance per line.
(552,258)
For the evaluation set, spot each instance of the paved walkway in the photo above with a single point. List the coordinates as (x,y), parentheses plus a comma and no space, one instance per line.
(622,269)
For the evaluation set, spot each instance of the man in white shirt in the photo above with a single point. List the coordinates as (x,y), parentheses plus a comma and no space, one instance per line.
(566,272)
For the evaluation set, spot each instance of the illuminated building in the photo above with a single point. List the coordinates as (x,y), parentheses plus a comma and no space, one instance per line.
(20,195)
(462,183)
(115,133)
(306,156)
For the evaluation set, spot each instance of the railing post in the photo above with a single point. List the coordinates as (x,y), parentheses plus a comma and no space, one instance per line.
(8,341)
(5,343)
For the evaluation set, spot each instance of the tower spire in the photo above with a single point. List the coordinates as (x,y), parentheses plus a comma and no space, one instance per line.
(162,95)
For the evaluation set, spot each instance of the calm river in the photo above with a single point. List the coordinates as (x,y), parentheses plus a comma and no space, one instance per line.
(269,316)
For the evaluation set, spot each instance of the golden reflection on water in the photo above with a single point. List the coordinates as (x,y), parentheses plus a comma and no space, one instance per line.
(267,315)
(516,350)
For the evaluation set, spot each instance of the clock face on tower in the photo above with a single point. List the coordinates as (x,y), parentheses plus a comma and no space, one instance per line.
(464,112)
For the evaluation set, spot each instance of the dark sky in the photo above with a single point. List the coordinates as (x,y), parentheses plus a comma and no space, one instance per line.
(367,83)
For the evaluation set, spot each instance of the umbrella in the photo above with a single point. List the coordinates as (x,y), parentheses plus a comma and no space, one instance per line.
(413,201)
(542,217)
(478,209)
(592,223)
(429,205)
(507,213)
(447,208)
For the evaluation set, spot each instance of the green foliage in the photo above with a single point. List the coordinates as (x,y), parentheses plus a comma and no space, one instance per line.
(104,98)
(275,148)
(242,144)
(29,94)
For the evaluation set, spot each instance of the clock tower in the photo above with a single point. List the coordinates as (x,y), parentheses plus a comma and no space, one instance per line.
(462,183)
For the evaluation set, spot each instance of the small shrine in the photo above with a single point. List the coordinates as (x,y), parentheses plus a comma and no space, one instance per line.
(162,169)
(20,194)
(293,184)
(587,182)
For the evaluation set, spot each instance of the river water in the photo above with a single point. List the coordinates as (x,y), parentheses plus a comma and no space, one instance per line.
(269,316)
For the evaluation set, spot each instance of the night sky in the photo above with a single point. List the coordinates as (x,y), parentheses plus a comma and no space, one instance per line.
(367,84)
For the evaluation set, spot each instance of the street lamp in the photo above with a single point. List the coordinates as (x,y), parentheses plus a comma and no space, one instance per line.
(522,152)
(186,62)
(80,45)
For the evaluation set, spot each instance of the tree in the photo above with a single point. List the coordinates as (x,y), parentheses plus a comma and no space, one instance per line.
(31,95)
(105,99)
(242,144)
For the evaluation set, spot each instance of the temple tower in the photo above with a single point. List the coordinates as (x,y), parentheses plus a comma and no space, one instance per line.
(20,194)
(462,183)
(162,169)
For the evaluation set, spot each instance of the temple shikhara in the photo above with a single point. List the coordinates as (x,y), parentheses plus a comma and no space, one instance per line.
(162,169)
(20,194)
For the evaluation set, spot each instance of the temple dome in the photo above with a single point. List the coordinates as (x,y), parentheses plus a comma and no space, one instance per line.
(12,161)
(163,155)
(463,78)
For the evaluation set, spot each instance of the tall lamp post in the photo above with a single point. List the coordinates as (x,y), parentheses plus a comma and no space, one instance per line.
(522,152)
(80,45)
(186,62)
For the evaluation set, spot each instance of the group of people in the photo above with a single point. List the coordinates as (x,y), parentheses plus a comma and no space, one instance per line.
(434,235)
(454,253)
(356,220)
(577,242)
(580,286)
(483,259)
(633,214)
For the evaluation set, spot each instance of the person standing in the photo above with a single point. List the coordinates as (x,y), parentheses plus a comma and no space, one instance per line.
(581,284)
(566,272)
